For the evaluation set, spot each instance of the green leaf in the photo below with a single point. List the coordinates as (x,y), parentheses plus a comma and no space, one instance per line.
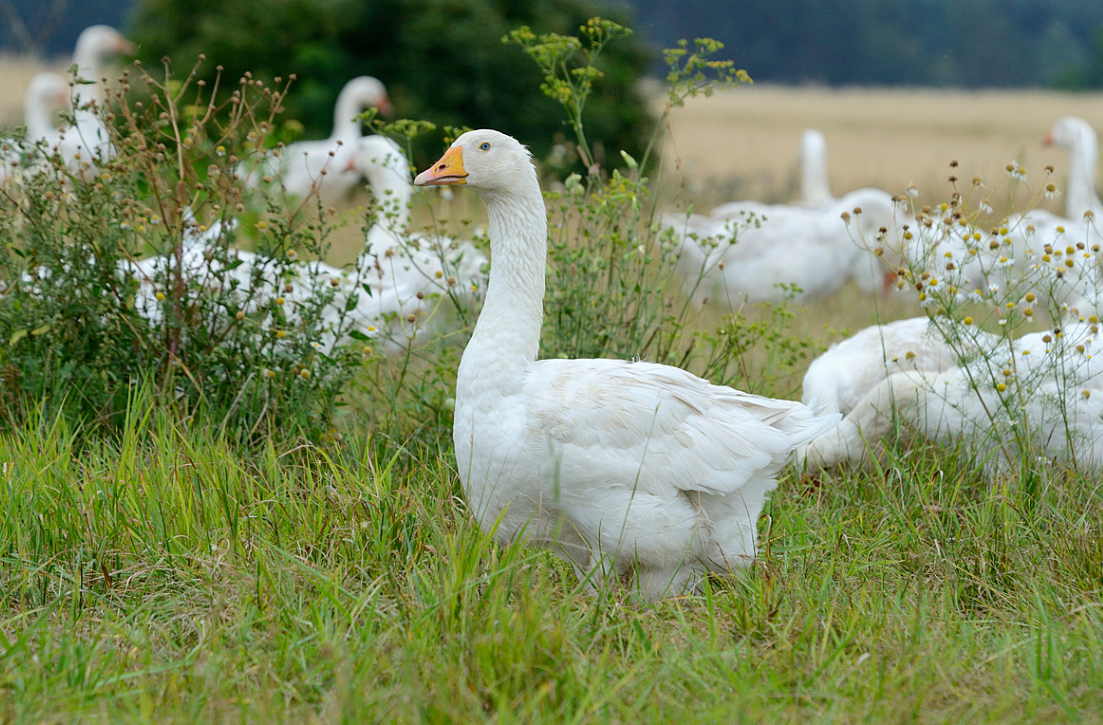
(17,336)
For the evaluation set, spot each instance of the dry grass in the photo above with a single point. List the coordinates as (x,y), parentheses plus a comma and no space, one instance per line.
(743,143)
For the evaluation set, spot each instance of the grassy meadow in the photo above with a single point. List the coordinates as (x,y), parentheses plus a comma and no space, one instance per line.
(167,576)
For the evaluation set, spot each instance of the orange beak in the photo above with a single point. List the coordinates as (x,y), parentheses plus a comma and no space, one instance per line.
(125,47)
(385,107)
(448,171)
(1048,140)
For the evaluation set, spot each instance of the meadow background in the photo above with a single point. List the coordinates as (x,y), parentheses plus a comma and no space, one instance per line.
(166,575)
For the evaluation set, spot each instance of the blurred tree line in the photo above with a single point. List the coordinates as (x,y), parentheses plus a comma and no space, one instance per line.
(970,43)
(441,60)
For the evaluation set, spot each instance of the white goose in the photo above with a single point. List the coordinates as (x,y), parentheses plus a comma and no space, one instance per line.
(837,379)
(780,244)
(87,141)
(1073,238)
(47,94)
(404,272)
(637,469)
(300,165)
(953,407)
(815,188)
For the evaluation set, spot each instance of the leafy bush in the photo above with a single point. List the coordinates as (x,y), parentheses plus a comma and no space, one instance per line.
(442,60)
(82,322)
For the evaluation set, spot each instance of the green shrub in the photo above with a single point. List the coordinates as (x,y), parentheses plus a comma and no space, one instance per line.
(80,328)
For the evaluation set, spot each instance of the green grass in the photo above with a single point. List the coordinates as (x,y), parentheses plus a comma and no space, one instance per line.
(169,578)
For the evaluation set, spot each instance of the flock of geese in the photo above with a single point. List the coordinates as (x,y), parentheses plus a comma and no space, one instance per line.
(405,271)
(639,473)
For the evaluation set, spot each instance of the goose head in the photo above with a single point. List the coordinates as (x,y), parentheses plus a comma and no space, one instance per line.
(97,45)
(360,94)
(1070,133)
(486,160)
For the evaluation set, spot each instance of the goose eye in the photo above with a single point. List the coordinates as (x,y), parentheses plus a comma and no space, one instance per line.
(484,146)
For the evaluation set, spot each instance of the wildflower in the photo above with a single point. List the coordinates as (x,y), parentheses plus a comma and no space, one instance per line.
(1026,352)
(367,350)
(239,315)
(1001,387)
(279,301)
(1015,171)
(985,207)
(304,373)
(912,191)
(371,328)
(438,274)
(1028,312)
(1007,372)
(160,297)
(292,254)
(909,355)
(1087,394)
(316,345)
(968,321)
(994,288)
(411,318)
(1060,230)
(1005,262)
(221,150)
(262,226)
(976,295)
(1080,348)
(281,334)
(1051,191)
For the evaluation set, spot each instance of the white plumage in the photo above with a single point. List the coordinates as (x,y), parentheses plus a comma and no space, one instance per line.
(815,187)
(1062,404)
(635,469)
(305,165)
(396,266)
(838,378)
(759,246)
(46,94)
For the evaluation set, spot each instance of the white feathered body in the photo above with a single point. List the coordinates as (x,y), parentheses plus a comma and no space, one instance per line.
(841,376)
(1062,403)
(780,245)
(637,470)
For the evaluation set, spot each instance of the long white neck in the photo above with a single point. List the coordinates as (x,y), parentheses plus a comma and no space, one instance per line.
(814,185)
(393,192)
(1080,195)
(345,125)
(508,329)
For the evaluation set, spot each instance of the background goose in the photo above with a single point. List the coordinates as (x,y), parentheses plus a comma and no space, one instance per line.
(760,247)
(396,266)
(815,187)
(299,166)
(634,469)
(87,140)
(47,94)
(841,376)
(953,406)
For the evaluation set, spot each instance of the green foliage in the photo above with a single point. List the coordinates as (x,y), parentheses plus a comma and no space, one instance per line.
(81,324)
(440,59)
(165,578)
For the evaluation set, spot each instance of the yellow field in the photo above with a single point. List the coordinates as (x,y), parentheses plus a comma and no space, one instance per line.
(15,75)
(744,142)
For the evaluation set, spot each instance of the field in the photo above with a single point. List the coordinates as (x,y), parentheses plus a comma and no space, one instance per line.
(165,577)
